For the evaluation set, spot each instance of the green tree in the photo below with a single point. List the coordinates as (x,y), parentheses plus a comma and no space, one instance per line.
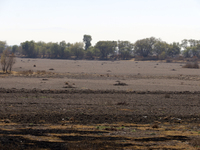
(173,49)
(2,46)
(54,50)
(77,50)
(67,53)
(160,47)
(144,47)
(87,40)
(41,48)
(190,48)
(125,49)
(105,48)
(62,46)
(92,53)
(29,49)
(14,49)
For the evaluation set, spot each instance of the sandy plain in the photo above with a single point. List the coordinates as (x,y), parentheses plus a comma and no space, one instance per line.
(79,104)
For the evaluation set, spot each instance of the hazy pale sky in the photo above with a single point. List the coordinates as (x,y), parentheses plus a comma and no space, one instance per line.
(69,20)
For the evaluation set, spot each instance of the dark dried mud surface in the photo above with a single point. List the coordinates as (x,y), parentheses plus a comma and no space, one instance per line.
(78,119)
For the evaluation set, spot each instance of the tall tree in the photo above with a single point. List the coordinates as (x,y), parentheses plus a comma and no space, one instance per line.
(160,47)
(173,49)
(29,49)
(14,48)
(144,47)
(54,50)
(106,47)
(77,50)
(125,49)
(62,45)
(87,40)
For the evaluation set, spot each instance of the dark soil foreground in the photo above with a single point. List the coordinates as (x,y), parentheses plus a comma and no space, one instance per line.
(77,119)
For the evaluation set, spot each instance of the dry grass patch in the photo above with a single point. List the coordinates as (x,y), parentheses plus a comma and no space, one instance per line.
(195,141)
(29,72)
(194,65)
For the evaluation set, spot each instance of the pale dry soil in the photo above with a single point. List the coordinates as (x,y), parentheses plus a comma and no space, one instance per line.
(99,105)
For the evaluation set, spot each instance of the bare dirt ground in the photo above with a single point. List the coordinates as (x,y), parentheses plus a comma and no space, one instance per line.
(99,105)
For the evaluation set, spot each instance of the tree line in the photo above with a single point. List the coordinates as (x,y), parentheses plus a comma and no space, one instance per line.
(103,50)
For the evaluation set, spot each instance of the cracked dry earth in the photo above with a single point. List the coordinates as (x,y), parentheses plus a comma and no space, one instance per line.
(49,120)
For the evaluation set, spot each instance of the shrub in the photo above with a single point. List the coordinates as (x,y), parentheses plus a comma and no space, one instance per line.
(168,60)
(191,65)
(7,61)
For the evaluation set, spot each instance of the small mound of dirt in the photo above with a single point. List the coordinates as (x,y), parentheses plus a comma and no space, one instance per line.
(68,86)
(122,103)
(119,83)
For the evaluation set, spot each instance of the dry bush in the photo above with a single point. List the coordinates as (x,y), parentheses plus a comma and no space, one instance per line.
(7,61)
(194,65)
(42,72)
(168,60)
(119,83)
(195,141)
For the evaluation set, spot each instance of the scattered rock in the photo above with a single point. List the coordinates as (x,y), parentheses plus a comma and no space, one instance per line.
(119,83)
(72,119)
(155,126)
(166,118)
(34,65)
(44,79)
(111,129)
(122,103)
(167,95)
(7,121)
(51,69)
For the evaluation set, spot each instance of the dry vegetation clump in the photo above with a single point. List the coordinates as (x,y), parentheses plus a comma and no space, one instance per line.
(195,141)
(7,61)
(28,72)
(119,83)
(68,85)
(194,65)
(167,95)
(168,60)
(42,72)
